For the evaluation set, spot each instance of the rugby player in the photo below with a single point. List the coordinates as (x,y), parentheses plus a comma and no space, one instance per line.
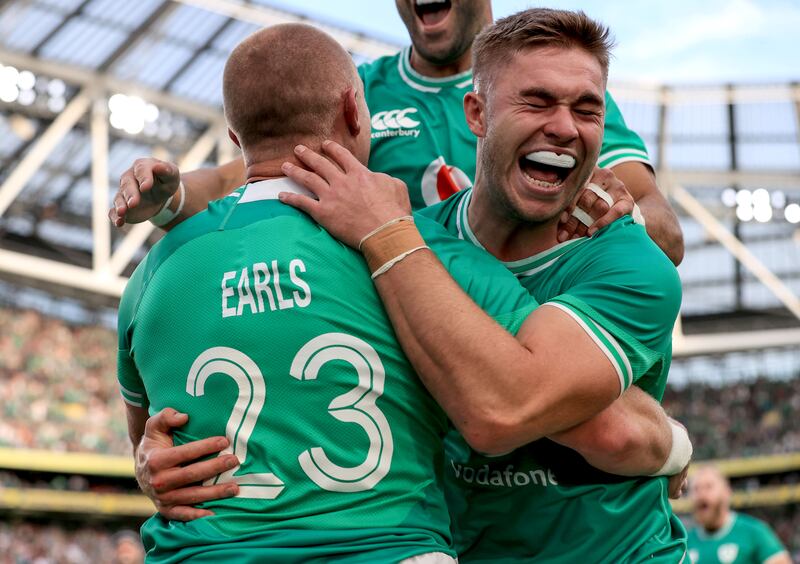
(722,536)
(244,297)
(420,136)
(609,305)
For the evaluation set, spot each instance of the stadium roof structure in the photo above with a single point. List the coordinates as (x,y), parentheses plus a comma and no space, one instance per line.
(87,86)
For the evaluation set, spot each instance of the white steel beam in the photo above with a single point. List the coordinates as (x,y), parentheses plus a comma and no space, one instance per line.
(264,16)
(101,229)
(696,345)
(61,273)
(40,150)
(137,236)
(787,181)
(717,230)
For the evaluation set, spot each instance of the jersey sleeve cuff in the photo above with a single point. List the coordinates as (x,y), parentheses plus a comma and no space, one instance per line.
(130,385)
(614,158)
(607,344)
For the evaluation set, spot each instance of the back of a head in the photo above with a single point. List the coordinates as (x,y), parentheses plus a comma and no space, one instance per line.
(532,28)
(284,84)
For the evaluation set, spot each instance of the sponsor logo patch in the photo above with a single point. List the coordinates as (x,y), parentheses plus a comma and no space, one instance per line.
(395,123)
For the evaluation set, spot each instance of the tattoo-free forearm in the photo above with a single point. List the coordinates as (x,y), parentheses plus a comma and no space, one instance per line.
(631,437)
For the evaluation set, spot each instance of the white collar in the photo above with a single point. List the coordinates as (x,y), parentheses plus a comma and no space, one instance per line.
(270,188)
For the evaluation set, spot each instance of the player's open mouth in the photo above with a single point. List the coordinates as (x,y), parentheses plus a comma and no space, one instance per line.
(546,169)
(432,12)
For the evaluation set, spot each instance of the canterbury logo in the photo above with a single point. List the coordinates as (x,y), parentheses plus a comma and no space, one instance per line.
(394,119)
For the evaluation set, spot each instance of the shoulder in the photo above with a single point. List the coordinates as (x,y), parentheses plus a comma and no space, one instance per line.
(445,212)
(379,68)
(624,252)
(620,143)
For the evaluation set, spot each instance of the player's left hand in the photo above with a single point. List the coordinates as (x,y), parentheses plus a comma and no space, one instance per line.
(596,207)
(351,201)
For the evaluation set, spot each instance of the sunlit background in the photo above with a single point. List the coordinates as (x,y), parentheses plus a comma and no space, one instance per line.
(87,86)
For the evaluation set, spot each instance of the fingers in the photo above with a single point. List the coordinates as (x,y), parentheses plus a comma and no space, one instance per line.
(570,228)
(183,513)
(163,421)
(317,163)
(164,458)
(310,180)
(198,494)
(341,156)
(620,208)
(118,210)
(171,478)
(302,203)
(143,173)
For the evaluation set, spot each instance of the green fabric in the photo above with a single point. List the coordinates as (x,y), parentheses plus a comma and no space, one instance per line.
(420,135)
(252,302)
(744,540)
(543,501)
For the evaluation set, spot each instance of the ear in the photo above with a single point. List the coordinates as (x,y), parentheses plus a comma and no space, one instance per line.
(233,137)
(475,112)
(351,117)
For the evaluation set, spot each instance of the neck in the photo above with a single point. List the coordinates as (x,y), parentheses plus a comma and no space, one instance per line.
(720,521)
(505,238)
(436,70)
(263,170)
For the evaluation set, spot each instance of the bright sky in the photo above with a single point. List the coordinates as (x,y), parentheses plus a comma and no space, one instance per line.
(661,41)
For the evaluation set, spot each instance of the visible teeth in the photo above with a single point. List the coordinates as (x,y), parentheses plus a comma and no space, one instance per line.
(552,159)
(426,2)
(543,183)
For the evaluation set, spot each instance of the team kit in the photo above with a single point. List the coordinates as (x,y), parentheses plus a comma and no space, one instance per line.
(297,336)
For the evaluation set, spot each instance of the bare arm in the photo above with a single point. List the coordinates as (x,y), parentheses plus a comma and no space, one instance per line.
(551,378)
(146,186)
(168,474)
(631,437)
(661,222)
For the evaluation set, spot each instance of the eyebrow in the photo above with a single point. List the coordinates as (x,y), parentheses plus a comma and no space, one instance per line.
(548,96)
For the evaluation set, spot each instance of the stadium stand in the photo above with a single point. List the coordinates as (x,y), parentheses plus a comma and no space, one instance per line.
(66,487)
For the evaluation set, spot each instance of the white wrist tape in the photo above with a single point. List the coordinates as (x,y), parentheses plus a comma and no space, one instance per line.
(680,454)
(582,216)
(165,215)
(637,216)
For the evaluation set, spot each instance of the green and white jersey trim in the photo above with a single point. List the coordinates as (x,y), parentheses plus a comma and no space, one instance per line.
(523,267)
(532,265)
(607,344)
(427,84)
(619,156)
(130,397)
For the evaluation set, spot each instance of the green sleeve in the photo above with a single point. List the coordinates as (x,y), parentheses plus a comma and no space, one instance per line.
(767,542)
(626,297)
(480,275)
(130,382)
(620,144)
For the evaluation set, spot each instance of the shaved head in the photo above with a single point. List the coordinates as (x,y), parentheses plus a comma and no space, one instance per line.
(285,84)
(711,497)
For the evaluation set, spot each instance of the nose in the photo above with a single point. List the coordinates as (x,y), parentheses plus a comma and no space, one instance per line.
(560,125)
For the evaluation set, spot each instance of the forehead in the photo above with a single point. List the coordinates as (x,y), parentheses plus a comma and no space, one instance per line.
(564,71)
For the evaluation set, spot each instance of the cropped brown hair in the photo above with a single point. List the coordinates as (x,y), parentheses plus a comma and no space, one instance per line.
(537,27)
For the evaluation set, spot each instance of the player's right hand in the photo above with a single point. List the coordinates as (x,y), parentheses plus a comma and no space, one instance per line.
(171,475)
(143,189)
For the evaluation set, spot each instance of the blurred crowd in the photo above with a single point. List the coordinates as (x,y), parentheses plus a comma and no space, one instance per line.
(58,389)
(741,419)
(57,543)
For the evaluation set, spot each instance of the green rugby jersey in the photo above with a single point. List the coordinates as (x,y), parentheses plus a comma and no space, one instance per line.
(250,318)
(543,501)
(743,540)
(420,135)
